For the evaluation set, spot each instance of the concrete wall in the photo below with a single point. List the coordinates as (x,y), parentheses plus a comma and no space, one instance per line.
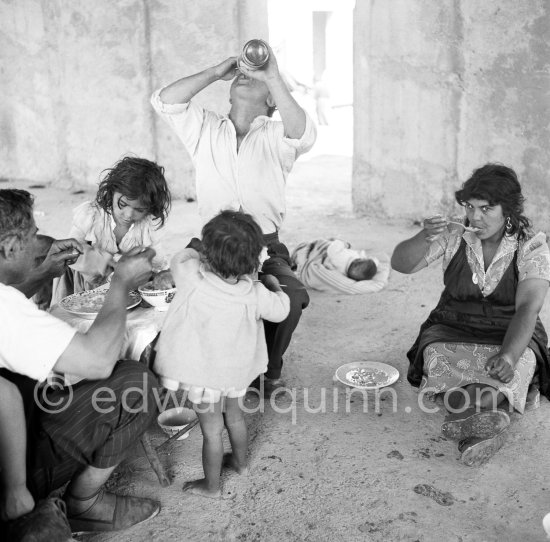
(77,76)
(187,37)
(443,87)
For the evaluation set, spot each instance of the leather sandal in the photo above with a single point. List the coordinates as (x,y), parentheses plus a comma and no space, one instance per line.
(474,423)
(271,385)
(477,451)
(126,512)
(47,521)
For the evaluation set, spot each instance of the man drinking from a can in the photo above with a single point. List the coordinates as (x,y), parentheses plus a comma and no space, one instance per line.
(242,161)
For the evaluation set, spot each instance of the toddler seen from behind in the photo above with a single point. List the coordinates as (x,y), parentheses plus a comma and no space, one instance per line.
(212,343)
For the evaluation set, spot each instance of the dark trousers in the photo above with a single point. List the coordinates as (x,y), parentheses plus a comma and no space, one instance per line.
(103,419)
(278,336)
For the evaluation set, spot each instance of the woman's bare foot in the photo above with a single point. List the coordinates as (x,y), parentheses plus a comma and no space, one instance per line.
(200,487)
(231,462)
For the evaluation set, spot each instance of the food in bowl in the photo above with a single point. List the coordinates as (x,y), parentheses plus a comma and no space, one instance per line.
(163,280)
(158,298)
(367,377)
(89,303)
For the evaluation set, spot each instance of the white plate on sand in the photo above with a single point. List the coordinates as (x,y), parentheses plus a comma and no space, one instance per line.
(87,304)
(367,375)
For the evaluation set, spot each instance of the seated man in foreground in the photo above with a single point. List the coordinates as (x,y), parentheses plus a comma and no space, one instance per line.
(51,434)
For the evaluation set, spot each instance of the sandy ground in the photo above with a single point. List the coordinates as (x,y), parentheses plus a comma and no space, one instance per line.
(324,466)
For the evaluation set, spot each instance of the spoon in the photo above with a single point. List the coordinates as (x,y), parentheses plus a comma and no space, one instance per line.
(467,228)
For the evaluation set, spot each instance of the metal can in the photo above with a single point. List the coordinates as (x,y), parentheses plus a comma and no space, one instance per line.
(255,54)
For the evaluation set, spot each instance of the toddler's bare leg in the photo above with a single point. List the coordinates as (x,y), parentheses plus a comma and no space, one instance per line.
(238,436)
(211,422)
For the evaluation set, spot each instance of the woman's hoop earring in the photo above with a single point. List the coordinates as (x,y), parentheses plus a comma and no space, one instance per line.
(508,226)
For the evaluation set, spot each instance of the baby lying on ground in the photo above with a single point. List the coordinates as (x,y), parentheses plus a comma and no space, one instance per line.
(331,265)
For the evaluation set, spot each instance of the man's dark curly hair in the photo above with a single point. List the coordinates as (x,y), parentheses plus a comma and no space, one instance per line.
(15,213)
(231,243)
(136,178)
(498,185)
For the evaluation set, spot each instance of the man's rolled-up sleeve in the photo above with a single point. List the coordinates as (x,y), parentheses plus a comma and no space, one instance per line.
(307,140)
(185,119)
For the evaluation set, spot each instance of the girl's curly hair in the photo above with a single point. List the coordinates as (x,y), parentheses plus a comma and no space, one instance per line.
(136,178)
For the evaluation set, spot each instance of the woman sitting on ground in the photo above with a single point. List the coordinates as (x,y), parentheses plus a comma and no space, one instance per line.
(484,343)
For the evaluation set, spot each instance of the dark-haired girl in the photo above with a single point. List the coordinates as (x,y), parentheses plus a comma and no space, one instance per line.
(483,347)
(212,343)
(131,205)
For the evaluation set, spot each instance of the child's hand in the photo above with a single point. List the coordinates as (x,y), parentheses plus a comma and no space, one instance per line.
(135,267)
(195,244)
(271,283)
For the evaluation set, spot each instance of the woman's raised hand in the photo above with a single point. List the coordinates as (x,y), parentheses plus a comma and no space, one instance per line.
(434,227)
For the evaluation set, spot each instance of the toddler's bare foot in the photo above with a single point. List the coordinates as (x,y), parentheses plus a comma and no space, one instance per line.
(200,487)
(231,462)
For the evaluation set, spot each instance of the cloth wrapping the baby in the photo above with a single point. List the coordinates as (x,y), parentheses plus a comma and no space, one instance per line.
(315,270)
